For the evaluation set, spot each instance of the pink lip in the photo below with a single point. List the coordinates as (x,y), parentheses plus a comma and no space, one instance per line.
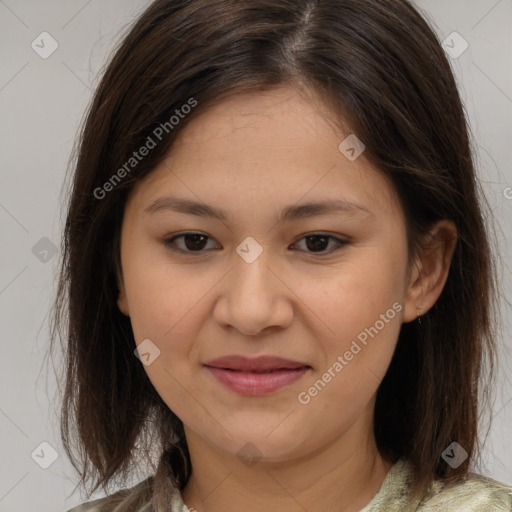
(261,363)
(245,375)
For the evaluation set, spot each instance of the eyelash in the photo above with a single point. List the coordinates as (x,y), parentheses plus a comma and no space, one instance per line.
(168,242)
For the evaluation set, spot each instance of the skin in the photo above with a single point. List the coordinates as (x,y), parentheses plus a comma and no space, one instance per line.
(252,155)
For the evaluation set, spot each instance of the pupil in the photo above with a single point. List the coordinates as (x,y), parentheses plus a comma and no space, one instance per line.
(316,246)
(196,239)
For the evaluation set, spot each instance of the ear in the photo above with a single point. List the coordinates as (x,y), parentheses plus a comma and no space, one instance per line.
(122,302)
(429,270)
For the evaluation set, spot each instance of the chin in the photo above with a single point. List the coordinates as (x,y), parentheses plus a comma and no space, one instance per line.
(262,447)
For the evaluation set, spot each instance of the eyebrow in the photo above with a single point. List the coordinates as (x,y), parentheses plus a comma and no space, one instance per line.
(288,214)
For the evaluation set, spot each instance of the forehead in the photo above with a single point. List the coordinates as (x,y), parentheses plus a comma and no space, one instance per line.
(273,144)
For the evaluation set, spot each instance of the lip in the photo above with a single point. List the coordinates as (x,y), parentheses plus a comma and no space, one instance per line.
(261,363)
(256,376)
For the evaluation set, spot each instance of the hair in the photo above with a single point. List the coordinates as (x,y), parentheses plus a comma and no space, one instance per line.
(378,67)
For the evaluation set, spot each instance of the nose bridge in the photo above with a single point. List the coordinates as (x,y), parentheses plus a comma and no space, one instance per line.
(253,298)
(252,277)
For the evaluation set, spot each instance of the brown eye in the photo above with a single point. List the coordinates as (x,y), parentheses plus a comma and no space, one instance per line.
(318,243)
(197,242)
(192,242)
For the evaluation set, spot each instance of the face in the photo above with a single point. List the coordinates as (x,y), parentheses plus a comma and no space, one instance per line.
(254,269)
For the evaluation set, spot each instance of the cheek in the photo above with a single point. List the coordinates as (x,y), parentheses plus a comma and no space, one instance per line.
(355,295)
(168,304)
(164,307)
(362,307)
(149,300)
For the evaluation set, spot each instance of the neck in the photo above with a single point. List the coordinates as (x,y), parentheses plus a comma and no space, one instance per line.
(341,477)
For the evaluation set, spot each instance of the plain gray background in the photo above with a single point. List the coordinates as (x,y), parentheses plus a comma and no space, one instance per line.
(42,101)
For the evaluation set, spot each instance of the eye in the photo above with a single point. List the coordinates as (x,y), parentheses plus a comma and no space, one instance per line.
(193,242)
(196,242)
(318,242)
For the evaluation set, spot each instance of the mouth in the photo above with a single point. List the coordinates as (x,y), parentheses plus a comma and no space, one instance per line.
(257,376)
(260,364)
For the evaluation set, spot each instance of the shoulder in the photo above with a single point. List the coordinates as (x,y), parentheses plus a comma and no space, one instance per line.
(138,496)
(475,493)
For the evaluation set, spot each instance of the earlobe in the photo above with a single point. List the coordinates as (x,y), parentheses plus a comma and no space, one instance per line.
(413,303)
(430,270)
(122,302)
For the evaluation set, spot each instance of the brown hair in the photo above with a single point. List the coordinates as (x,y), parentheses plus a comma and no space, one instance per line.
(378,66)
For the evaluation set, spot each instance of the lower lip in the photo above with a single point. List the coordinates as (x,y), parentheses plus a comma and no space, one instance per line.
(256,384)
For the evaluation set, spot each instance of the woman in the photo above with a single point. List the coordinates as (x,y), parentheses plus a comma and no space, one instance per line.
(278,274)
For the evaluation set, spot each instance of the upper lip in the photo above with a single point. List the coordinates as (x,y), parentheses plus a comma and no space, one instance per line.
(261,363)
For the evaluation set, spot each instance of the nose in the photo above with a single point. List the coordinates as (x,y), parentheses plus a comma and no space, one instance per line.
(254,297)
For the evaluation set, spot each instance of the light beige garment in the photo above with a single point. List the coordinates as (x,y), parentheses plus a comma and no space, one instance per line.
(475,494)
